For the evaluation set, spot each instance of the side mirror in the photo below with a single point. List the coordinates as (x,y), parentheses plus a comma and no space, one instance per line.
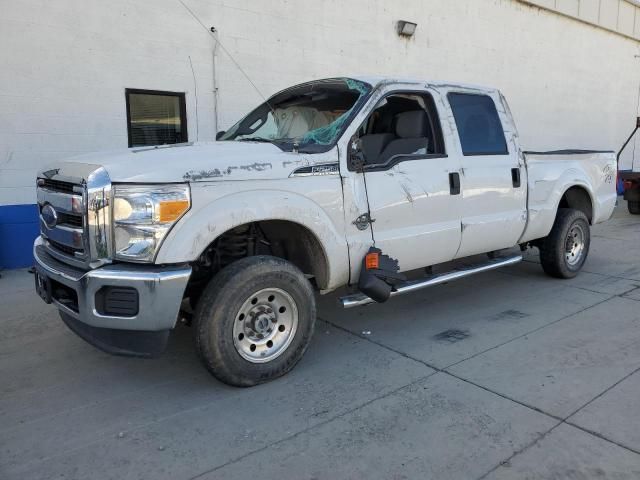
(220,134)
(356,155)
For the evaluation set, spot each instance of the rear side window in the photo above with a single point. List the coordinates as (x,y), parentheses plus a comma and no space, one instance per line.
(478,123)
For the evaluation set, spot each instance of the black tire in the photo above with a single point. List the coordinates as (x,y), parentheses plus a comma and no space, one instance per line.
(219,308)
(634,207)
(554,248)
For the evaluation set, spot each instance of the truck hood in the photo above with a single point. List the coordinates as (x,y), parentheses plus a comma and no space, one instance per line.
(197,162)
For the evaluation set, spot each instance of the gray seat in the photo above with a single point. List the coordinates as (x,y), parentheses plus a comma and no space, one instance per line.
(373,144)
(411,133)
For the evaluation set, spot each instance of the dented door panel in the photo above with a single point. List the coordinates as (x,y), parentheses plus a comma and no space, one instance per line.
(415,218)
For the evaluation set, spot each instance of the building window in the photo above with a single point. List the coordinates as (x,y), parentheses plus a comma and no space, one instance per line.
(155,118)
(478,123)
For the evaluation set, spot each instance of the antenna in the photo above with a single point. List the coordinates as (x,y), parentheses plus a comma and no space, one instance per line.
(195,88)
(211,31)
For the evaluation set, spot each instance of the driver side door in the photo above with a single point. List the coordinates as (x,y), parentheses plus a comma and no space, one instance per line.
(410,184)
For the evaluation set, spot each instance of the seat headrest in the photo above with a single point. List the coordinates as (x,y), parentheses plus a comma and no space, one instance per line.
(411,124)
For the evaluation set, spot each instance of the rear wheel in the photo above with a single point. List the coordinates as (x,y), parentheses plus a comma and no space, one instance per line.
(634,207)
(254,320)
(564,251)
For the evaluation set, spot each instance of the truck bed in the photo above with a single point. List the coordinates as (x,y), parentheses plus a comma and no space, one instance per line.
(550,174)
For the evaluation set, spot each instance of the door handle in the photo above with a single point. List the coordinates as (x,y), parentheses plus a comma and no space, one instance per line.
(515,177)
(454,183)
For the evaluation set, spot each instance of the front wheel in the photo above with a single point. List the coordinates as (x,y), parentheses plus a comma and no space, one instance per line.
(564,251)
(254,320)
(634,207)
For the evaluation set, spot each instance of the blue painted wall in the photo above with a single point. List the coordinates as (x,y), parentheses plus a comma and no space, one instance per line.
(18,230)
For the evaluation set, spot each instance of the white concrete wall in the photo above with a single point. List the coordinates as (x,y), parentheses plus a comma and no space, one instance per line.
(621,16)
(64,66)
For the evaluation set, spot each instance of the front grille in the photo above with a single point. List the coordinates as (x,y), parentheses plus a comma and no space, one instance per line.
(56,185)
(75,211)
(62,200)
(64,248)
(71,220)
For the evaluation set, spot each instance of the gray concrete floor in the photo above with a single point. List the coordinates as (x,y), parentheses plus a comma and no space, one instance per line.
(509,374)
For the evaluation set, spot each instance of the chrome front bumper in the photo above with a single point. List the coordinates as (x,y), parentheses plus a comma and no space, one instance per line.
(160,291)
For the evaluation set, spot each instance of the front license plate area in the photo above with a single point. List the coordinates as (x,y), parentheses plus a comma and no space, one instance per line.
(43,286)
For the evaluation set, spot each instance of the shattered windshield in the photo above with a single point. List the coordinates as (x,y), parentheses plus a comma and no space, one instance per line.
(310,116)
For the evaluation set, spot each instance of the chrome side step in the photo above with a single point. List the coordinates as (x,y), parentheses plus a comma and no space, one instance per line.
(360,299)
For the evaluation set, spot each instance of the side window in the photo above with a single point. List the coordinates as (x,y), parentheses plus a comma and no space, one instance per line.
(401,126)
(478,123)
(155,118)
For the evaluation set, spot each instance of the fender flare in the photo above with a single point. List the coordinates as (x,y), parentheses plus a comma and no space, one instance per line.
(587,189)
(201,226)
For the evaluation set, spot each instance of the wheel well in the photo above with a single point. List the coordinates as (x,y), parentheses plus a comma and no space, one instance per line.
(579,199)
(279,238)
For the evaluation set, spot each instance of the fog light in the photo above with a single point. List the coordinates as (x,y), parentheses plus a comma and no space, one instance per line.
(117,301)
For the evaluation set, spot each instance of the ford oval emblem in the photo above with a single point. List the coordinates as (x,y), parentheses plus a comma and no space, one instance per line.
(49,216)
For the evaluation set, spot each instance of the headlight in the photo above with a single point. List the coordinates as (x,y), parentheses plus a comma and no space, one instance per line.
(142,217)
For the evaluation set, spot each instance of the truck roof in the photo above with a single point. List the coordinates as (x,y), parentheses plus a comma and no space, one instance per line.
(376,80)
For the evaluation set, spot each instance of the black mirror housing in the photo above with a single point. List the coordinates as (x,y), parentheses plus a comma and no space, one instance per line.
(356,155)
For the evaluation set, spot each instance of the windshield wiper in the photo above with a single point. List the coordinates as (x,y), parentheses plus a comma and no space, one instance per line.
(255,139)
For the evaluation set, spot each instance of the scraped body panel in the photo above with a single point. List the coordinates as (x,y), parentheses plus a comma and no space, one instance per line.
(551,174)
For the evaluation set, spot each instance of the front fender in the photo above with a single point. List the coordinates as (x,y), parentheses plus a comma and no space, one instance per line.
(209,218)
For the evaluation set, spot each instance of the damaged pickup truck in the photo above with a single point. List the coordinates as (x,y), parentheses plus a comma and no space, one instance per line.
(358,182)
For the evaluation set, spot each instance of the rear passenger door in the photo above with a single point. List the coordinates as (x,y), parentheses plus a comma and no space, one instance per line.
(493,208)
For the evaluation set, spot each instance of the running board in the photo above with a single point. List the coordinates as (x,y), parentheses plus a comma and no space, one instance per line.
(360,299)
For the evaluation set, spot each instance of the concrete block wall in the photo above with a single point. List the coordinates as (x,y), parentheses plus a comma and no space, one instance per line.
(66,64)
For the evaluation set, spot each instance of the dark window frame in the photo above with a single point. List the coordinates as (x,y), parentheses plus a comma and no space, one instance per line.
(504,152)
(184,132)
(396,159)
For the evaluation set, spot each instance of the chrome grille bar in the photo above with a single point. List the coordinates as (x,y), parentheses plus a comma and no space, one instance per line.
(74,201)
(63,202)
(59,186)
(67,236)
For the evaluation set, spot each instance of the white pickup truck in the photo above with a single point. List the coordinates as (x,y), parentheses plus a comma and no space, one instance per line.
(332,183)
